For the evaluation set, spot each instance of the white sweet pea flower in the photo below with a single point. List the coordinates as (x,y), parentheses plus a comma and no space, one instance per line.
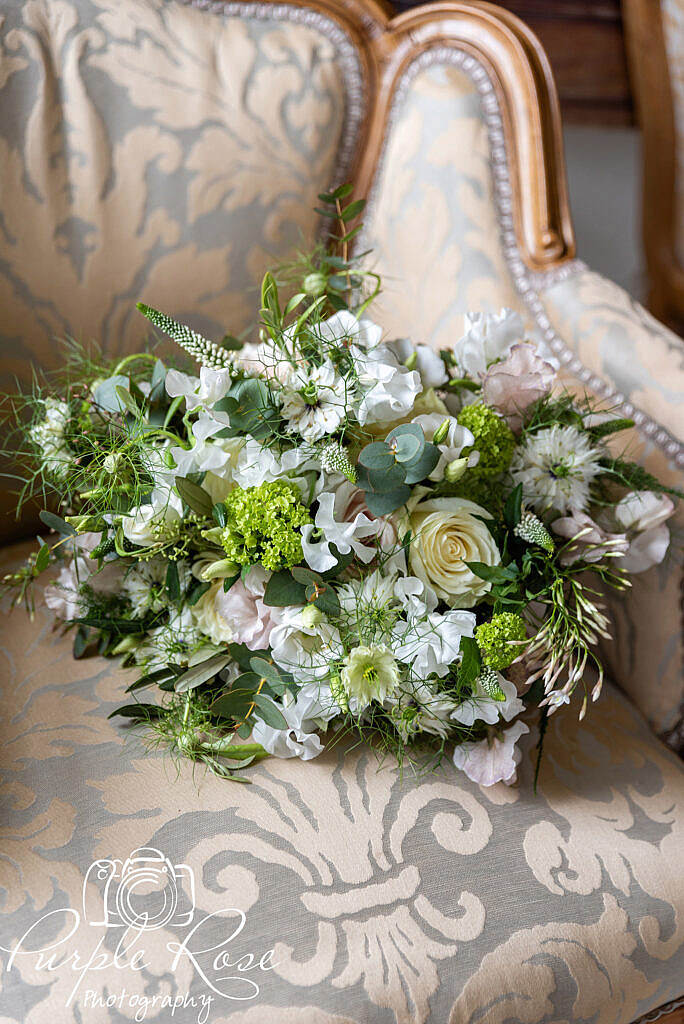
(257,465)
(481,707)
(305,649)
(317,537)
(642,515)
(314,401)
(415,597)
(487,337)
(389,390)
(431,645)
(313,706)
(427,362)
(456,440)
(343,329)
(205,390)
(492,760)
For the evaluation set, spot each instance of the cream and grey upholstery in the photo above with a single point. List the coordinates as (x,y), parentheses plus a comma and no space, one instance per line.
(169,151)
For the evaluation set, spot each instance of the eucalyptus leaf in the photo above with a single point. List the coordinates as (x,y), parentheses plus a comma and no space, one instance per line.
(383,504)
(201,673)
(173,588)
(269,712)
(421,467)
(105,393)
(282,590)
(56,523)
(194,496)
(377,455)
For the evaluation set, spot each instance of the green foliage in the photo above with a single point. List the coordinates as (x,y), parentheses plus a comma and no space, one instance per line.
(388,469)
(206,352)
(634,477)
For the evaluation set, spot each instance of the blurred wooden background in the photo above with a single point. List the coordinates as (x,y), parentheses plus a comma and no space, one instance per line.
(586,47)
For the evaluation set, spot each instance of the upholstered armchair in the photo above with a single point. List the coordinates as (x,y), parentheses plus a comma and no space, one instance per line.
(170,151)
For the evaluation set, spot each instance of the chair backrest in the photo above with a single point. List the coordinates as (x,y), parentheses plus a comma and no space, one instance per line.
(170,150)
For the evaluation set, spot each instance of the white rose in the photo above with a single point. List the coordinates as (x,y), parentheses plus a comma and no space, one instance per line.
(445,534)
(207,616)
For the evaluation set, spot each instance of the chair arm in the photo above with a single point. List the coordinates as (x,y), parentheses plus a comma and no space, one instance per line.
(621,351)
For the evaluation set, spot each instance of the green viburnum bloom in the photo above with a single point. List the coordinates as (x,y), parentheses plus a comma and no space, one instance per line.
(369,673)
(263,525)
(494,639)
(494,439)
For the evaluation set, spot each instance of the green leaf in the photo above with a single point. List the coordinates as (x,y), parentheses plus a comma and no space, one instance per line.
(282,590)
(353,210)
(42,558)
(265,670)
(230,580)
(406,447)
(219,514)
(421,467)
(306,576)
(119,626)
(194,496)
(377,455)
(609,427)
(249,406)
(140,711)
(471,661)
(294,302)
(199,674)
(82,641)
(513,507)
(326,197)
(406,429)
(56,523)
(127,401)
(325,599)
(381,481)
(160,676)
(173,588)
(383,504)
(269,712)
(241,654)
(106,393)
(269,295)
(494,573)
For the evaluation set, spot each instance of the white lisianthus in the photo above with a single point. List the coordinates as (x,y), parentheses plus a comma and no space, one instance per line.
(315,401)
(422,358)
(303,647)
(388,390)
(494,759)
(325,530)
(48,438)
(457,438)
(487,337)
(208,618)
(556,466)
(159,520)
(445,534)
(481,707)
(369,673)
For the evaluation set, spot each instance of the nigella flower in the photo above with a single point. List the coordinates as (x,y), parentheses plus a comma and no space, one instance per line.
(314,401)
(370,673)
(555,467)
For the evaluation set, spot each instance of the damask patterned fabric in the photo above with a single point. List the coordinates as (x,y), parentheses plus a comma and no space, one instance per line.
(636,356)
(150,150)
(414,901)
(432,219)
(436,183)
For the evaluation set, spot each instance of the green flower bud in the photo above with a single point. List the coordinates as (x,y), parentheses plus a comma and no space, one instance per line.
(81,524)
(129,643)
(221,569)
(311,616)
(441,432)
(412,361)
(455,470)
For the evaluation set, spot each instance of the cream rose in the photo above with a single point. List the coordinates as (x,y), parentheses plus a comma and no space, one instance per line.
(445,534)
(206,615)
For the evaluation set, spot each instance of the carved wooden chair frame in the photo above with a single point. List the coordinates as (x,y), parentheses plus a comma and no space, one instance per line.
(650,79)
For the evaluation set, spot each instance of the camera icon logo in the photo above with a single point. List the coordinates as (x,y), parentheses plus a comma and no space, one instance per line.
(142,892)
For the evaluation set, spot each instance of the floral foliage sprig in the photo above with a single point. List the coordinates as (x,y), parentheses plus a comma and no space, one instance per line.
(322,531)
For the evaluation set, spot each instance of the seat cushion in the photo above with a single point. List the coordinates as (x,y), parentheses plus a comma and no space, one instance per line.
(383,899)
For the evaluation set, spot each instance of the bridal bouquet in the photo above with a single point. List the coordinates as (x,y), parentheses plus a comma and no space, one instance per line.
(322,531)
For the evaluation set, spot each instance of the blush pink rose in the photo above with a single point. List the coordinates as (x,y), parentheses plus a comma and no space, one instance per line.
(514,384)
(244,609)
